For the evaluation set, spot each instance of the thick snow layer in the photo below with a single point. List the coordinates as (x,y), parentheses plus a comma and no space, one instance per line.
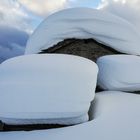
(51,86)
(119,72)
(117,118)
(84,23)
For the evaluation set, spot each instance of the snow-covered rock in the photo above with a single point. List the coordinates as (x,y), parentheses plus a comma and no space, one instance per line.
(51,88)
(84,23)
(117,118)
(119,72)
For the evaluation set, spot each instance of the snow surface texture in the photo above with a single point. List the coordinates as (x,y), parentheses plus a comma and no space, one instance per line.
(85,23)
(117,118)
(49,88)
(119,72)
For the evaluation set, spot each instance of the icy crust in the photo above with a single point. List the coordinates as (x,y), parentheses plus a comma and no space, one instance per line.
(117,118)
(62,121)
(119,72)
(46,87)
(84,23)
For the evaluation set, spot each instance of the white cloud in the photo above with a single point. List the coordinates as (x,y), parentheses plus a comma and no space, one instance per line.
(127,9)
(12,14)
(14,25)
(43,7)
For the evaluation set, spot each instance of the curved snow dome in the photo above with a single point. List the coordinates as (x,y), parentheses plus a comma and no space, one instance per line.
(85,23)
(119,72)
(47,89)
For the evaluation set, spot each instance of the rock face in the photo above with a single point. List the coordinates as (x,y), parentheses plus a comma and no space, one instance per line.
(1,126)
(87,48)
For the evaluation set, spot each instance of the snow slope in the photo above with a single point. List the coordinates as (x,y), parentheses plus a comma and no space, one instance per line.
(117,117)
(84,23)
(55,88)
(119,72)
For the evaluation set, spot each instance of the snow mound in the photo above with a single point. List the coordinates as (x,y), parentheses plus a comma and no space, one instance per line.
(119,72)
(46,89)
(117,118)
(85,23)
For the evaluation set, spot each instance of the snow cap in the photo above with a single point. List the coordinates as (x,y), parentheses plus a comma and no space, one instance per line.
(85,23)
(119,72)
(47,86)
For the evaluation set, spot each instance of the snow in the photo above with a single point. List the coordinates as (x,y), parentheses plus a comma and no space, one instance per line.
(84,23)
(117,117)
(53,87)
(119,72)
(56,88)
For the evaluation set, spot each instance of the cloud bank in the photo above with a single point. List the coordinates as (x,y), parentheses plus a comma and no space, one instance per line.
(12,42)
(127,9)
(43,7)
(14,29)
(12,14)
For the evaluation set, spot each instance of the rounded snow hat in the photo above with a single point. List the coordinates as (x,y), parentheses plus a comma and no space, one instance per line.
(50,88)
(85,23)
(119,72)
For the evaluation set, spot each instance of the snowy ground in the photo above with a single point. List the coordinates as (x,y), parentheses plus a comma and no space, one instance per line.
(117,117)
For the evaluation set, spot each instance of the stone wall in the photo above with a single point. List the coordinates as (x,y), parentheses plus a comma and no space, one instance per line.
(87,48)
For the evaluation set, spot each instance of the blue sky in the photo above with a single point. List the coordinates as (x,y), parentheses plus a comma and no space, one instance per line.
(86,3)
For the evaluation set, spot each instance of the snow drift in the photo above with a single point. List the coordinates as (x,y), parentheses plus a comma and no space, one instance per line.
(46,89)
(119,72)
(117,118)
(84,23)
